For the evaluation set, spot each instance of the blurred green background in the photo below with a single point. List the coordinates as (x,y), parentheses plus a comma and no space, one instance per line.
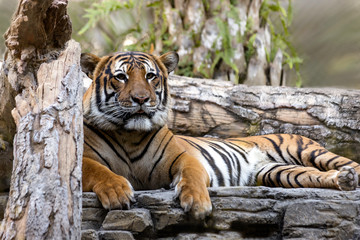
(326,34)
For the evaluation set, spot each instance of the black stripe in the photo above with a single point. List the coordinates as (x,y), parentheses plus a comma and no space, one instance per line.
(97,93)
(223,156)
(164,80)
(277,148)
(288,179)
(143,138)
(255,143)
(160,158)
(239,140)
(97,153)
(233,147)
(210,160)
(300,143)
(281,139)
(171,165)
(330,160)
(296,161)
(313,157)
(104,138)
(141,155)
(296,177)
(278,176)
(238,166)
(105,87)
(269,177)
(344,164)
(108,69)
(271,157)
(160,144)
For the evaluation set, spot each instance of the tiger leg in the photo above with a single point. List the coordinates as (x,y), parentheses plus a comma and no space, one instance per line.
(294,176)
(113,191)
(191,181)
(325,160)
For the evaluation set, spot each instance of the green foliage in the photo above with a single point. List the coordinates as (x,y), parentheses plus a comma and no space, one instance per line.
(147,26)
(250,48)
(280,36)
(98,11)
(227,52)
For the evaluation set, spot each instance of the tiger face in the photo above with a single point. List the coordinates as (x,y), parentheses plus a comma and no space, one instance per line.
(129,90)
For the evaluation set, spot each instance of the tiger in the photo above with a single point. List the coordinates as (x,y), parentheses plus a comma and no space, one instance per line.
(128,145)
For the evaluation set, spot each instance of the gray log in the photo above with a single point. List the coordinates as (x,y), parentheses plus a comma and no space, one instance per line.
(219,108)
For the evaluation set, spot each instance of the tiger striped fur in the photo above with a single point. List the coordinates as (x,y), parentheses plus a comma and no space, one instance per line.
(129,146)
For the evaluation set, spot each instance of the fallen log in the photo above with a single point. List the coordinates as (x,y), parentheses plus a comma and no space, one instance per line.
(221,109)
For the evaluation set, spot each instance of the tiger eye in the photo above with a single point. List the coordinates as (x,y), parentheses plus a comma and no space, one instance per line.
(121,77)
(150,76)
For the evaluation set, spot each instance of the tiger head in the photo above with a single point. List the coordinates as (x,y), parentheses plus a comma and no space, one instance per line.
(129,90)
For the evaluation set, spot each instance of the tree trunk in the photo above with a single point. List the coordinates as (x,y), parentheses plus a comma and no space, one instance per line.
(221,109)
(42,67)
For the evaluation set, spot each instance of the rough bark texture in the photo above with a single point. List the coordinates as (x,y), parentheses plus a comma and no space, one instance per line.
(42,67)
(221,109)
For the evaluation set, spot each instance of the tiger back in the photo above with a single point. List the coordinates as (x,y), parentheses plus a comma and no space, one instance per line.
(129,146)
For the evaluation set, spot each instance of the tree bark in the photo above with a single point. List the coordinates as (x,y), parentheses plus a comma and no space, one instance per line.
(221,109)
(42,67)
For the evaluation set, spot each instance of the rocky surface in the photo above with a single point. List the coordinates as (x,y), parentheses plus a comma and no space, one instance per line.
(239,213)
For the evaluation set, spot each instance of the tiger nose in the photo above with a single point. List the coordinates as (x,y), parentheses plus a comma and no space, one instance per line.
(140,99)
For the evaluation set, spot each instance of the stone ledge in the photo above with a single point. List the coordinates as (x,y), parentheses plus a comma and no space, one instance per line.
(238,213)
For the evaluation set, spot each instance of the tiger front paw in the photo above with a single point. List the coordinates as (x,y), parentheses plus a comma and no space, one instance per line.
(114,192)
(194,198)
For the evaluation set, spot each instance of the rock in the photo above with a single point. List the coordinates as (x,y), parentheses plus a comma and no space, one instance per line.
(205,236)
(202,61)
(256,69)
(90,200)
(276,69)
(238,213)
(89,234)
(210,35)
(194,16)
(166,218)
(136,220)
(3,200)
(242,6)
(115,235)
(173,19)
(254,14)
(92,218)
(320,219)
(186,45)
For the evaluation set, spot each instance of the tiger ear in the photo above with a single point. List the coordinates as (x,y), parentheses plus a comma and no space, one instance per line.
(170,60)
(88,63)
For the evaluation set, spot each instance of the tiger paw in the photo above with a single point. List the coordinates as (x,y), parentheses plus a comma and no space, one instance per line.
(114,192)
(347,179)
(194,198)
